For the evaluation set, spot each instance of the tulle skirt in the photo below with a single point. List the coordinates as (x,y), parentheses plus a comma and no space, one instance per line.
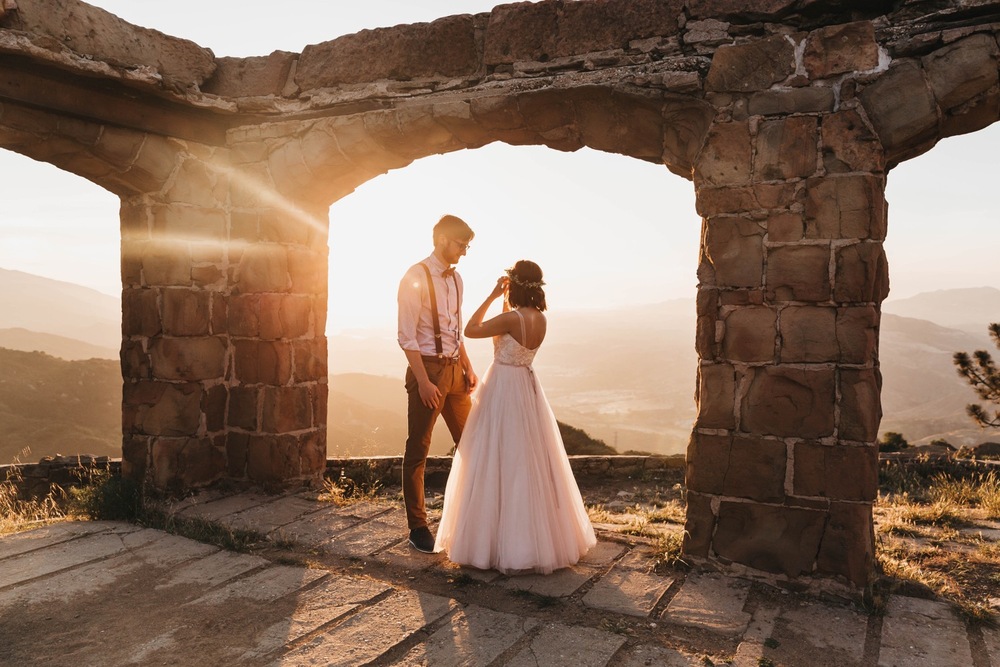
(512,503)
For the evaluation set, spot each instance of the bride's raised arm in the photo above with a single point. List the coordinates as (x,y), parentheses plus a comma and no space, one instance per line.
(501,324)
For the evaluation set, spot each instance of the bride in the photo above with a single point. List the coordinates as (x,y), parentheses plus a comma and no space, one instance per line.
(512,503)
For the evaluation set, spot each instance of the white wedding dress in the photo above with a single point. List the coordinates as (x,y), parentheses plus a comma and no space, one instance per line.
(511,502)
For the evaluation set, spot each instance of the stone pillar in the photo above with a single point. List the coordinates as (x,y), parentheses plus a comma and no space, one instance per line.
(224,350)
(782,464)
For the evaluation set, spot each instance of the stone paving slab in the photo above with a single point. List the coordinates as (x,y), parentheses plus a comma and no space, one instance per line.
(269,584)
(332,599)
(750,651)
(402,555)
(366,538)
(710,602)
(371,632)
(318,528)
(559,644)
(627,592)
(39,538)
(65,555)
(645,655)
(214,569)
(160,551)
(268,517)
(366,509)
(215,509)
(833,635)
(923,632)
(603,554)
(474,636)
(561,583)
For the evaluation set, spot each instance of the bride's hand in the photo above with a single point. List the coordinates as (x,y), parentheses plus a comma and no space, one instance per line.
(500,288)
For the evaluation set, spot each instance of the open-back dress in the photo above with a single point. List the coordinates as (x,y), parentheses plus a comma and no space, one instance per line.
(511,502)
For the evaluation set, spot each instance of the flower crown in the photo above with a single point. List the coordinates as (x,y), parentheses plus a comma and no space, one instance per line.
(523,283)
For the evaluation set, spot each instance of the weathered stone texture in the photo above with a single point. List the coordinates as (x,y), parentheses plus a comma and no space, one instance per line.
(286,409)
(186,462)
(798,273)
(140,312)
(716,396)
(263,362)
(845,207)
(785,149)
(840,472)
(849,144)
(733,253)
(809,335)
(783,540)
(699,524)
(263,268)
(725,159)
(96,33)
(860,407)
(186,312)
(750,334)
(857,334)
(963,70)
(737,467)
(188,359)
(251,77)
(554,30)
(902,109)
(839,49)
(445,47)
(813,99)
(752,66)
(789,402)
(862,274)
(161,408)
(848,545)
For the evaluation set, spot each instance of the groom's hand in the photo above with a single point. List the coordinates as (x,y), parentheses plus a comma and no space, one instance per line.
(470,381)
(430,395)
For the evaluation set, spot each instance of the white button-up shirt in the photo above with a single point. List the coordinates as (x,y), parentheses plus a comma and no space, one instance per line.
(416,327)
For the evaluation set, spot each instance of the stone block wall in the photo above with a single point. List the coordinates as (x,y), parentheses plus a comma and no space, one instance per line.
(224,349)
(782,460)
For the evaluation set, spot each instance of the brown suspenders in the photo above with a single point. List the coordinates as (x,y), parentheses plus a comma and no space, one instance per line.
(434,309)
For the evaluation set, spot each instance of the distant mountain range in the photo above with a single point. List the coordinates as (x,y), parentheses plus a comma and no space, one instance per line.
(625,376)
(60,308)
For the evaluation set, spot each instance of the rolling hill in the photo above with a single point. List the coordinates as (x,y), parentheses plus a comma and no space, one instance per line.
(51,406)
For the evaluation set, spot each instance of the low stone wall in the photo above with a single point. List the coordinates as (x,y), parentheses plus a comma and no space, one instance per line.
(588,470)
(37,479)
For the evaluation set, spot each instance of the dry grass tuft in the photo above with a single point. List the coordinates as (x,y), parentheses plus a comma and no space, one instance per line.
(18,514)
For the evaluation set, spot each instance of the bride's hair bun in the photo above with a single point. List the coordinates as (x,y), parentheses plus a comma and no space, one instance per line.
(526,285)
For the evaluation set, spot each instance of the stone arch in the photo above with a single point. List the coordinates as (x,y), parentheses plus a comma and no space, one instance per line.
(325,159)
(787,120)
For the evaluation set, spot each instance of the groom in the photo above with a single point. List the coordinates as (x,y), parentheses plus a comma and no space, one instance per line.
(439,378)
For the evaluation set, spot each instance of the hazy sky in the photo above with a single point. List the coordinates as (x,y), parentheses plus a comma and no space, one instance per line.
(607,230)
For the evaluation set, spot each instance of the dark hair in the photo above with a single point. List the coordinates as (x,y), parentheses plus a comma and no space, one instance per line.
(525,287)
(453,227)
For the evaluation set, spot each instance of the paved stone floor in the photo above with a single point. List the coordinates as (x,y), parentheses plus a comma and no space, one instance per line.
(340,586)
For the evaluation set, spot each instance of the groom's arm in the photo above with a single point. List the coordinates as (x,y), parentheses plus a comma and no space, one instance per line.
(408,314)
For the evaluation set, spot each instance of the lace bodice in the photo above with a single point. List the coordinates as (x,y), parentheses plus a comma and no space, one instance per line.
(509,352)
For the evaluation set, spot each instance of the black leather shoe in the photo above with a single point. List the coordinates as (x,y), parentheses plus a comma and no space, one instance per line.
(422,540)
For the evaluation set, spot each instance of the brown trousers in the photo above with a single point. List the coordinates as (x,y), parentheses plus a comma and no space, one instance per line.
(454,406)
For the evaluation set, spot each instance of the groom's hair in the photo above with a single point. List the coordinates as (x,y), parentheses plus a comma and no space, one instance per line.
(453,227)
